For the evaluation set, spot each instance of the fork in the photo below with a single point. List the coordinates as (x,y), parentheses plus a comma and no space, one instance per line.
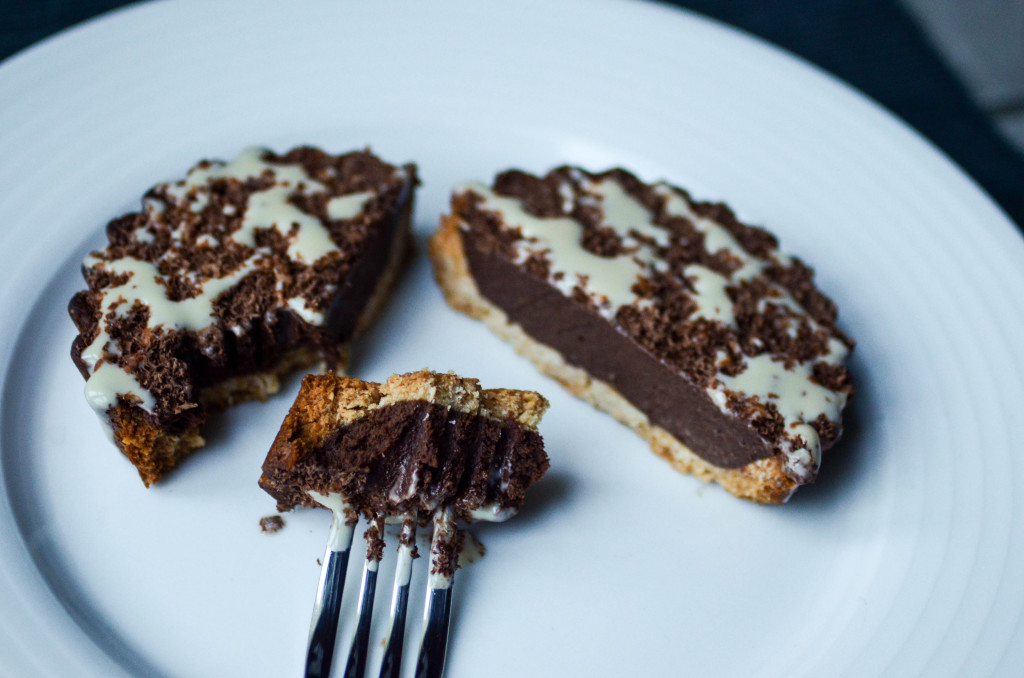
(327,605)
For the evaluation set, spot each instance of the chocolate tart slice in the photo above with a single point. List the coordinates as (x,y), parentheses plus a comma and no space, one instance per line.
(411,447)
(685,324)
(229,278)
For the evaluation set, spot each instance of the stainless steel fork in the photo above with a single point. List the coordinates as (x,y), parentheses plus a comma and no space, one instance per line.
(437,611)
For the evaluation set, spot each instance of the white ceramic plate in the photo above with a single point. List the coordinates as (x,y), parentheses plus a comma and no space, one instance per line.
(907,558)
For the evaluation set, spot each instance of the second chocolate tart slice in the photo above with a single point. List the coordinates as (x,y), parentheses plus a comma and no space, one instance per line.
(229,278)
(670,314)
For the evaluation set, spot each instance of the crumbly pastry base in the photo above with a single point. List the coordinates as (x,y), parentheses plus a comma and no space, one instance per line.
(154,452)
(763,481)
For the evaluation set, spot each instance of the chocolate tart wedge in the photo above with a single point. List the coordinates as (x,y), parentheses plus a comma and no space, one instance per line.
(229,278)
(410,447)
(670,314)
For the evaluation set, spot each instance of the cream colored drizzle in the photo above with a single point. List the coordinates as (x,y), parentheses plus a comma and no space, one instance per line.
(713,302)
(152,206)
(798,399)
(347,206)
(492,513)
(716,236)
(308,238)
(396,494)
(311,316)
(568,197)
(711,298)
(108,382)
(142,287)
(624,214)
(250,165)
(607,279)
(103,385)
(340,536)
(143,234)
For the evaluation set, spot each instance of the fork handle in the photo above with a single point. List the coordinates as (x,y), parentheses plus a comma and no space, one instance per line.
(326,608)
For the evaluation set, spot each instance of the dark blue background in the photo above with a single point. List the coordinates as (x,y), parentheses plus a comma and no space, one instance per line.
(871,44)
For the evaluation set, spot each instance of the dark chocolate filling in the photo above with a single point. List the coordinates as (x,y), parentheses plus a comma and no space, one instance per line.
(588,341)
(348,305)
(411,458)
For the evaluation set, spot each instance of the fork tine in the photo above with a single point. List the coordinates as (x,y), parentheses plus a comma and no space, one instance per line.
(324,627)
(434,646)
(355,667)
(435,636)
(391,665)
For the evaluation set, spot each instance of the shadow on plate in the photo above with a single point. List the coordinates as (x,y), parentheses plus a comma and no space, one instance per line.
(542,498)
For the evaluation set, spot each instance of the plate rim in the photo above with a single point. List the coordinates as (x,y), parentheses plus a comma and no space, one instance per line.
(41,50)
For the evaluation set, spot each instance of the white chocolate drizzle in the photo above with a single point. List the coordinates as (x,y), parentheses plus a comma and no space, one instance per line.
(311,316)
(608,280)
(340,536)
(710,295)
(142,287)
(712,299)
(109,381)
(624,215)
(347,206)
(309,239)
(798,399)
(492,513)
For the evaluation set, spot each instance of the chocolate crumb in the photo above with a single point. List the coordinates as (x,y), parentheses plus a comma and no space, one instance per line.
(271,524)
(374,540)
